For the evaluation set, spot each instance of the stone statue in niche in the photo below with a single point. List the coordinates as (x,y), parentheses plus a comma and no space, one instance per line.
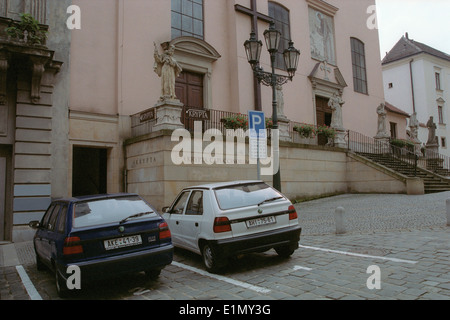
(168,69)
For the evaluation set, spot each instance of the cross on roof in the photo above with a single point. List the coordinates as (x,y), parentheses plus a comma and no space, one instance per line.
(255,15)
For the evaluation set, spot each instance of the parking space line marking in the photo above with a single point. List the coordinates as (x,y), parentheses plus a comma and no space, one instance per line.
(222,278)
(301,268)
(359,255)
(31,290)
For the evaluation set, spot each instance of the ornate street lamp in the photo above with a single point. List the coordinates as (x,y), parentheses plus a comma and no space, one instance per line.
(272,37)
(253,49)
(291,58)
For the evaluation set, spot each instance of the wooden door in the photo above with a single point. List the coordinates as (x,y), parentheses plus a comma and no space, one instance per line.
(323,113)
(189,89)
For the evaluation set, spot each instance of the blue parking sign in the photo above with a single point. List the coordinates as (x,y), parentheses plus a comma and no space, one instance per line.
(257,124)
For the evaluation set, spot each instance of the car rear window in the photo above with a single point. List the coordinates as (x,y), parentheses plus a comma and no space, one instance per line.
(105,211)
(244,195)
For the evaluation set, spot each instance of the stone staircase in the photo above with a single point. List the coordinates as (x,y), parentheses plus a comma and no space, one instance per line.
(433,182)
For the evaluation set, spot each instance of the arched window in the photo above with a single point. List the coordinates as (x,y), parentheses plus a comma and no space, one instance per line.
(359,66)
(280,16)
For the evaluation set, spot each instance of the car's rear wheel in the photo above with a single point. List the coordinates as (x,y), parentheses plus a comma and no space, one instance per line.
(61,286)
(211,260)
(152,273)
(285,251)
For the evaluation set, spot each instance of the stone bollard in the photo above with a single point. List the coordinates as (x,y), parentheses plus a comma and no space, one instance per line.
(448,211)
(339,220)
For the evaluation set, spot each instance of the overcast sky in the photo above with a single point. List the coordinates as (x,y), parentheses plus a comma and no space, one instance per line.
(426,21)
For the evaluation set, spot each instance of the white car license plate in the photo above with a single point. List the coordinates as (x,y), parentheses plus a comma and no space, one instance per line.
(260,221)
(122,242)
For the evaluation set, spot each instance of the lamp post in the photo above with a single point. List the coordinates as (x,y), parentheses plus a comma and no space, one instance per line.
(291,57)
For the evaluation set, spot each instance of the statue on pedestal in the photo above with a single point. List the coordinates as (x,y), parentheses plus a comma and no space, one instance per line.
(335,103)
(432,139)
(414,128)
(382,130)
(168,69)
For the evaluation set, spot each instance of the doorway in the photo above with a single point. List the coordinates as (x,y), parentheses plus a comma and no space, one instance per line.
(5,194)
(189,90)
(89,171)
(324,115)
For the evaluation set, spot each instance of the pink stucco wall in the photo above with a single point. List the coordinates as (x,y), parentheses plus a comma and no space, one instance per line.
(112,58)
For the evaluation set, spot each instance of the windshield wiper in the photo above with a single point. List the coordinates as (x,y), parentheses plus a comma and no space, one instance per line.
(137,215)
(269,200)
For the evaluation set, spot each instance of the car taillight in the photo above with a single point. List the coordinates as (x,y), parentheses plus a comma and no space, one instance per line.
(164,231)
(72,245)
(221,224)
(292,213)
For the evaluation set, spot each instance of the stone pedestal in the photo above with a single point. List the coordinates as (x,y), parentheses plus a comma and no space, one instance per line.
(284,126)
(168,115)
(383,144)
(339,138)
(432,149)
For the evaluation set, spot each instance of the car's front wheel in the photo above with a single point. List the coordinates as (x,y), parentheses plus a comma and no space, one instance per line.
(211,260)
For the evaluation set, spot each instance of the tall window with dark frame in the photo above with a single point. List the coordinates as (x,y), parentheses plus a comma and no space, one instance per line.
(437,76)
(280,16)
(359,66)
(441,114)
(187,18)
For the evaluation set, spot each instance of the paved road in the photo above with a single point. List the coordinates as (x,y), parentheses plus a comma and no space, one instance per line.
(395,247)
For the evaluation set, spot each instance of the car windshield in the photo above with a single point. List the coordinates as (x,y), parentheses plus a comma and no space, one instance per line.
(244,195)
(105,211)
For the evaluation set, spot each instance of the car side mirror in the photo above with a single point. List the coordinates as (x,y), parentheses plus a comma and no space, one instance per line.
(166,210)
(34,224)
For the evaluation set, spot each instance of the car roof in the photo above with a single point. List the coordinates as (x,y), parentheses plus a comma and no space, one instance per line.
(216,185)
(94,197)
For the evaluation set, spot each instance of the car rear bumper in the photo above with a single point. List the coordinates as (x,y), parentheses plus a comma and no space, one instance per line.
(156,258)
(259,242)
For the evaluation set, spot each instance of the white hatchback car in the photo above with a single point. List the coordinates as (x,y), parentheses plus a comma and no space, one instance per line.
(226,219)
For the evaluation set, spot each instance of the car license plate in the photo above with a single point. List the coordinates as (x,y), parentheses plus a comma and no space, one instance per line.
(123,242)
(260,221)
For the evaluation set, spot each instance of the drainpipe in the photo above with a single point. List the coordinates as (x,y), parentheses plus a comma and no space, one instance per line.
(412,85)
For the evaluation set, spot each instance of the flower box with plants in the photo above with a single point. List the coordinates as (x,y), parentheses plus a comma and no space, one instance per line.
(236,121)
(326,131)
(305,130)
(27,30)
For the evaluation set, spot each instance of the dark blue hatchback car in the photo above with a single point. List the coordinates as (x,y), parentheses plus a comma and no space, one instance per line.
(102,235)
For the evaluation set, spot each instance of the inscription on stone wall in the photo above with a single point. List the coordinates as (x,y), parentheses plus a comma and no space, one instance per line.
(144,161)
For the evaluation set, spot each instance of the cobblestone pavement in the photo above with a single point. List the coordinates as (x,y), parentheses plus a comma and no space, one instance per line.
(403,239)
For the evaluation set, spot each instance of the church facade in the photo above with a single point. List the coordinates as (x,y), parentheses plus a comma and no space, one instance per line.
(108,81)
(113,74)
